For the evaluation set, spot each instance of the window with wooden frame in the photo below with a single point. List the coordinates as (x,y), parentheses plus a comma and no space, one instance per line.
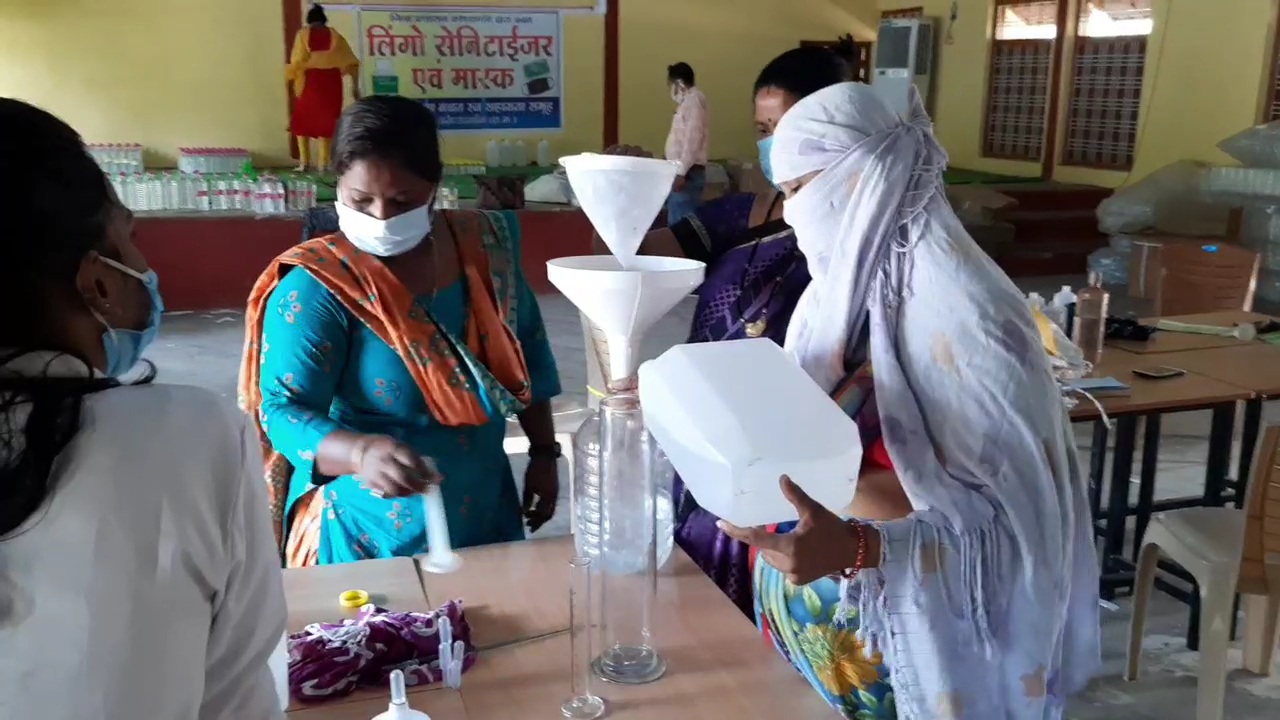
(859,55)
(903,14)
(1106,83)
(1018,81)
(1271,111)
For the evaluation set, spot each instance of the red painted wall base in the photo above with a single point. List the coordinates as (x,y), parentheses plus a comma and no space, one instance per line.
(210,262)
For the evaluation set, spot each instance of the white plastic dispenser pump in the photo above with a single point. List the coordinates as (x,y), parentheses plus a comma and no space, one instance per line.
(440,555)
(399,708)
(730,447)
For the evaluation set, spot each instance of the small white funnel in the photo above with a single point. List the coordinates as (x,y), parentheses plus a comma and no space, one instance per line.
(624,303)
(621,196)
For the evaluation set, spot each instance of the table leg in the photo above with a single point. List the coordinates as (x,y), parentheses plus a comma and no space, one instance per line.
(1117,510)
(1221,428)
(1097,466)
(1248,444)
(1147,483)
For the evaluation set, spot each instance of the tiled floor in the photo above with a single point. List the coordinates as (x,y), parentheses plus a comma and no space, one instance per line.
(203,349)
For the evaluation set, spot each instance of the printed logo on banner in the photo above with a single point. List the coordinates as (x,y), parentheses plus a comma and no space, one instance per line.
(475,70)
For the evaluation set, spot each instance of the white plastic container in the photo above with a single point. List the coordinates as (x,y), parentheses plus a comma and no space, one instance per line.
(544,154)
(520,152)
(734,416)
(492,153)
(506,153)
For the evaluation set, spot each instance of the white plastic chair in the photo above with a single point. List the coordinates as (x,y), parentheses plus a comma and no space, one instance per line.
(1227,551)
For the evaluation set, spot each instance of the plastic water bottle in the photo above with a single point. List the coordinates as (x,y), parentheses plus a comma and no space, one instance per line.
(1060,308)
(1092,304)
(520,153)
(544,154)
(492,154)
(1035,301)
(586,489)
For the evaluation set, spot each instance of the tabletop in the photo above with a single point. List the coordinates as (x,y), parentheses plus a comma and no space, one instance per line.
(1166,342)
(1187,392)
(312,596)
(1255,367)
(718,663)
(511,592)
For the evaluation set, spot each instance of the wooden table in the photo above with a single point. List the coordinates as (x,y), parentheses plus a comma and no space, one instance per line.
(1166,342)
(509,596)
(312,596)
(718,664)
(1148,401)
(441,704)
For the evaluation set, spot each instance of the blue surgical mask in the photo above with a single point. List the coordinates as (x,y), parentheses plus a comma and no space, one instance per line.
(766,166)
(124,347)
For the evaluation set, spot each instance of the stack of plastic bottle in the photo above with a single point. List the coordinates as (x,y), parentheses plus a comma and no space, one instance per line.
(212,160)
(116,158)
(218,192)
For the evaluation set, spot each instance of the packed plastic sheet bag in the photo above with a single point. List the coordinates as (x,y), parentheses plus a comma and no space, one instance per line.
(1169,200)
(1244,186)
(332,660)
(1255,147)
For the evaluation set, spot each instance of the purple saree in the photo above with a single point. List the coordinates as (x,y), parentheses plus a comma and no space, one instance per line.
(754,278)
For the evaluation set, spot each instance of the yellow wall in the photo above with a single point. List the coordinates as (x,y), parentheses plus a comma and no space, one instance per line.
(727,42)
(1204,81)
(171,73)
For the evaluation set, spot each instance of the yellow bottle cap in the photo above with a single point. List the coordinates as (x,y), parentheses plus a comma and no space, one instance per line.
(353,599)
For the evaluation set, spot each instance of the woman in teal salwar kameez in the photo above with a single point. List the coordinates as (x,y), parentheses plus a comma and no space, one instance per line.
(411,334)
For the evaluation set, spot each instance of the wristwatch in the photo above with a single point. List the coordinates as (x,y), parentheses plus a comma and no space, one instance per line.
(550,452)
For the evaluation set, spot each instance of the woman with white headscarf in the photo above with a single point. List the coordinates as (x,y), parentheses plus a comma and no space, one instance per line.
(982,602)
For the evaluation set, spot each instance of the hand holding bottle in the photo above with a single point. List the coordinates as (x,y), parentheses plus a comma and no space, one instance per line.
(390,468)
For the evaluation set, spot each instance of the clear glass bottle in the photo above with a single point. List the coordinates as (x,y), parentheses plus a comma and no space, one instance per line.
(628,566)
(1091,318)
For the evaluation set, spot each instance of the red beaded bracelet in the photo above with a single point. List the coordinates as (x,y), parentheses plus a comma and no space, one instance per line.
(860,560)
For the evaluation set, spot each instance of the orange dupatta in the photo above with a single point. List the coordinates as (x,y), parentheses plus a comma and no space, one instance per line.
(379,300)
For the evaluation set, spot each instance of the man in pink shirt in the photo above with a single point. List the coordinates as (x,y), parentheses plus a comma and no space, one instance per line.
(687,142)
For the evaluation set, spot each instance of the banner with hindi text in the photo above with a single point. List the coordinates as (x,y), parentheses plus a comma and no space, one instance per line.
(476,70)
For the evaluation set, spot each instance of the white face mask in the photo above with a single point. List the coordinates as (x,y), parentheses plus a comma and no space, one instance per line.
(385,238)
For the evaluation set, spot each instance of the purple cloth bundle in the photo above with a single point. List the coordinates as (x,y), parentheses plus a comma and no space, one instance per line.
(331,660)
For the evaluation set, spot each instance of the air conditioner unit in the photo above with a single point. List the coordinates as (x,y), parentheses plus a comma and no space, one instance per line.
(904,57)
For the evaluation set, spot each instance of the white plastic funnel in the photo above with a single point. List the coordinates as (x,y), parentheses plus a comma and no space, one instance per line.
(624,303)
(621,196)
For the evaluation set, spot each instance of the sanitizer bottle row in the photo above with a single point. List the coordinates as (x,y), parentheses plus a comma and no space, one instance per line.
(504,153)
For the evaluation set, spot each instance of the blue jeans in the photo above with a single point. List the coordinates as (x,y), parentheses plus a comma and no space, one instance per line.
(683,203)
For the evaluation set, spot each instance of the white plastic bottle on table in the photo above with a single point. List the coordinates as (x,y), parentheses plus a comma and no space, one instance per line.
(1060,307)
(1035,301)
(520,153)
(544,154)
(492,153)
(139,191)
(201,188)
(1092,304)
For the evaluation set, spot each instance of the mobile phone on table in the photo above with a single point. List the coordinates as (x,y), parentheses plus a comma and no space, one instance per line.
(1159,372)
